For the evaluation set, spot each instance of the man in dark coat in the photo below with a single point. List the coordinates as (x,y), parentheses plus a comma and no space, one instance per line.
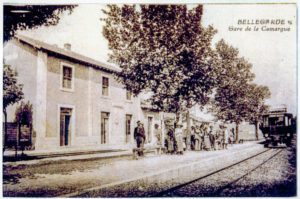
(139,136)
(212,138)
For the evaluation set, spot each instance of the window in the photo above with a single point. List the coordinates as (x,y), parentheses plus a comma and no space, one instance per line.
(128,95)
(266,121)
(67,77)
(104,127)
(105,84)
(276,121)
(128,127)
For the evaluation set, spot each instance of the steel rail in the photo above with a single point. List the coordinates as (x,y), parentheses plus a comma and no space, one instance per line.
(205,176)
(247,173)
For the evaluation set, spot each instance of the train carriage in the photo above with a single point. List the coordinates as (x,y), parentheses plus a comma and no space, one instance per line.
(278,127)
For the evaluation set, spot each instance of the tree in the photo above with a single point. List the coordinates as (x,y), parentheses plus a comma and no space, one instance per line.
(163,49)
(23,116)
(230,103)
(12,93)
(256,104)
(30,16)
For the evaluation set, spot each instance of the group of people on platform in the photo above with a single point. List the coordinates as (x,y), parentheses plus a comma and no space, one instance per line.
(202,137)
(206,137)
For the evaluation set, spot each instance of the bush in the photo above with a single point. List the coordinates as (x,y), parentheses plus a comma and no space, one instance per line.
(23,114)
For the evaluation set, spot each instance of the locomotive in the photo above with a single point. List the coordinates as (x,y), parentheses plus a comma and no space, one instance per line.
(278,127)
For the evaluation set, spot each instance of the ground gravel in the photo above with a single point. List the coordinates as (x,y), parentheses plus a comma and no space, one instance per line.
(276,177)
(50,179)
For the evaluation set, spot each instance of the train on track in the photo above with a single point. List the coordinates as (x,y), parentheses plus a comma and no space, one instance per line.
(278,127)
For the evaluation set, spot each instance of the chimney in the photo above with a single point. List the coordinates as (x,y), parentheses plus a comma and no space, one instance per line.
(67,46)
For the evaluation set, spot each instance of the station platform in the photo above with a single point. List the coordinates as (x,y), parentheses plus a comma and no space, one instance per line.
(166,170)
(36,156)
(153,169)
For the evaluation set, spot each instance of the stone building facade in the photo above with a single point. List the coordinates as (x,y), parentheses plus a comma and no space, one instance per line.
(76,100)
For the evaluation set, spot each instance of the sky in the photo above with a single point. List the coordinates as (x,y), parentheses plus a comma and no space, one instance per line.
(272,53)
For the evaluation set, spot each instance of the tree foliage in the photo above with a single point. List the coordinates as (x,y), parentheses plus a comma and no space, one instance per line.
(230,101)
(237,98)
(12,91)
(163,49)
(30,16)
(256,102)
(256,105)
(24,113)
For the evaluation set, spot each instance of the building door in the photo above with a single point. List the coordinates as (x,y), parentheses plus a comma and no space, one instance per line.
(104,127)
(128,128)
(65,126)
(149,133)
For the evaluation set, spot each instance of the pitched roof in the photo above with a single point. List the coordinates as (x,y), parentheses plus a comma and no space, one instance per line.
(67,53)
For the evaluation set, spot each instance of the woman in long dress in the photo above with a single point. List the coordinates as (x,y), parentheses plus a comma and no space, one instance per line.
(179,138)
(197,138)
(226,137)
(202,134)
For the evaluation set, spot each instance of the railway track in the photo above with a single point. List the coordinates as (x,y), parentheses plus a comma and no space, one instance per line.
(224,178)
(219,178)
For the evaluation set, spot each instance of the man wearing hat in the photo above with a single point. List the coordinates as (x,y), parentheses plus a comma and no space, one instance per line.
(139,136)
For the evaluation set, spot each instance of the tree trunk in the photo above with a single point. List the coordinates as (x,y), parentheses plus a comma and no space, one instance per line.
(237,133)
(5,130)
(256,129)
(17,141)
(188,133)
(30,133)
(177,116)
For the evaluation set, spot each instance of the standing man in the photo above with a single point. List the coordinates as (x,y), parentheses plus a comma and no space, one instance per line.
(212,138)
(222,136)
(233,135)
(193,140)
(139,136)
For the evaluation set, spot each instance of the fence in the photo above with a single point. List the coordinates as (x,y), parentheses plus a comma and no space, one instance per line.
(17,136)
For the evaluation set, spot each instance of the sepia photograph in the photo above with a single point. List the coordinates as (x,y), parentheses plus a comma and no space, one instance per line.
(149,99)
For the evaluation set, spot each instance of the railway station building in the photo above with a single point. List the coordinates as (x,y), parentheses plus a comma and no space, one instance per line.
(76,101)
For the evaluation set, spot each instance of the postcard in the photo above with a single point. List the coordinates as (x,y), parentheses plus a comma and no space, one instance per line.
(162,99)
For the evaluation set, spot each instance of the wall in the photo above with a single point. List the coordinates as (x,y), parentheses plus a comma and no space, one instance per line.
(86,100)
(56,96)
(23,59)
(117,105)
(156,119)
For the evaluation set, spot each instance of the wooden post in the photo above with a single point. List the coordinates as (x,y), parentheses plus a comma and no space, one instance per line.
(5,130)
